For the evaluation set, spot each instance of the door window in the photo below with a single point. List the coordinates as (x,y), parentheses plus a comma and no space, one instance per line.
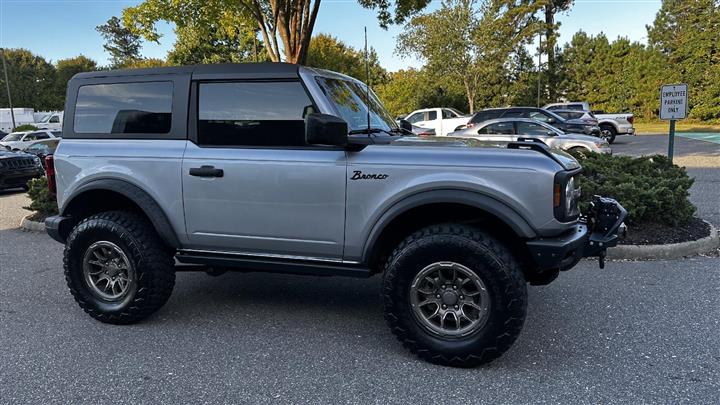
(500,128)
(417,117)
(252,114)
(536,115)
(54,119)
(431,115)
(514,114)
(40,135)
(529,128)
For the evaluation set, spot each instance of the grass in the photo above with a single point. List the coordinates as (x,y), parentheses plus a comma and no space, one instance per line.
(662,127)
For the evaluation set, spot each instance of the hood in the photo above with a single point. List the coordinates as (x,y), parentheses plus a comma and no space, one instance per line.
(6,154)
(564,159)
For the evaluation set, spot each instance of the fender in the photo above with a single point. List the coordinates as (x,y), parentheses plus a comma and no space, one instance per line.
(137,195)
(473,199)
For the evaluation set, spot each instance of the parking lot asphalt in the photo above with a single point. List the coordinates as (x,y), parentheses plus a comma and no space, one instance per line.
(635,332)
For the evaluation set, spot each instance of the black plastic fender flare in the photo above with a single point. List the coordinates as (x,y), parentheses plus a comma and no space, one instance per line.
(140,197)
(483,202)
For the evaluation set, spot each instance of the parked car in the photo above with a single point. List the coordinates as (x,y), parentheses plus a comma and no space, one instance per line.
(42,148)
(610,125)
(442,120)
(51,121)
(296,173)
(20,140)
(539,114)
(16,169)
(510,129)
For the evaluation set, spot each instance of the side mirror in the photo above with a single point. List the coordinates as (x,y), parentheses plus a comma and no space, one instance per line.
(551,120)
(406,125)
(325,129)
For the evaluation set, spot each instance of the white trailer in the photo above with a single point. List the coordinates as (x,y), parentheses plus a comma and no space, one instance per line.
(22,116)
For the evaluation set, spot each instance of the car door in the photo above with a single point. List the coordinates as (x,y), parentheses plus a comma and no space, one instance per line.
(251,185)
(532,130)
(497,132)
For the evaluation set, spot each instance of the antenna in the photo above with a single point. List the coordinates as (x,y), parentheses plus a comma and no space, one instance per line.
(367,83)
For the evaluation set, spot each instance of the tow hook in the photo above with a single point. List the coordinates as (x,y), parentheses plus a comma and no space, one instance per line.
(606,222)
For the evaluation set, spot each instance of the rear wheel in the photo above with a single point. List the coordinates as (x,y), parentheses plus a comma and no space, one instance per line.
(608,133)
(455,296)
(117,268)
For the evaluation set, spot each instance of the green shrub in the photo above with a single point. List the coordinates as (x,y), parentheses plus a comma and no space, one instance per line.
(25,127)
(41,201)
(651,188)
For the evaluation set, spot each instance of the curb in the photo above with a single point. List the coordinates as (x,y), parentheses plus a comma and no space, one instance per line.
(31,226)
(669,251)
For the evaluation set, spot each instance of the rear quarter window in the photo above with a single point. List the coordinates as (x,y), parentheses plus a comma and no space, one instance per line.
(124,108)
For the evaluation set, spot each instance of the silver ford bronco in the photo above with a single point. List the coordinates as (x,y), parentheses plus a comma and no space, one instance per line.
(282,168)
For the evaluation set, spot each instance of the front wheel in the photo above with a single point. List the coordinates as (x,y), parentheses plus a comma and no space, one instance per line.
(455,296)
(117,268)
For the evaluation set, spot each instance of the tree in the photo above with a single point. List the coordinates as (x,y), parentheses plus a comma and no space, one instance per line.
(31,79)
(328,52)
(551,8)
(407,90)
(471,41)
(121,43)
(686,33)
(213,31)
(66,69)
(285,25)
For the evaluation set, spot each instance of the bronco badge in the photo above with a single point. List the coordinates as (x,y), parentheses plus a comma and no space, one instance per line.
(358,175)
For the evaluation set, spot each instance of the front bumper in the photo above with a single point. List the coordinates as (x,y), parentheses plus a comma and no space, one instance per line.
(591,237)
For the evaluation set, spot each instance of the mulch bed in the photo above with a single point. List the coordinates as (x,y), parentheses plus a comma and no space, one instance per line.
(660,234)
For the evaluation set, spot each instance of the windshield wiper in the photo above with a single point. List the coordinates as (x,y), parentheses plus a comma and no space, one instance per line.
(366,131)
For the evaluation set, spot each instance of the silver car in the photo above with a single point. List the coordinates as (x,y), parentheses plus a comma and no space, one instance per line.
(510,129)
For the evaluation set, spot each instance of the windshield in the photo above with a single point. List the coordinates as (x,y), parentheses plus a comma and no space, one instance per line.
(12,137)
(456,112)
(349,99)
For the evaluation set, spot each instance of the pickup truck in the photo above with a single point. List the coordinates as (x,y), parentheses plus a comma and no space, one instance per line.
(442,120)
(610,125)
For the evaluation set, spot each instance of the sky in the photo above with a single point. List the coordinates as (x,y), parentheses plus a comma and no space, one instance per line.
(57,29)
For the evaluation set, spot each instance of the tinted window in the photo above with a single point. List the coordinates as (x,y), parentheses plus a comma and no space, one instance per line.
(484,116)
(57,134)
(417,117)
(252,114)
(538,116)
(55,119)
(124,108)
(432,115)
(528,128)
(515,114)
(502,128)
(40,135)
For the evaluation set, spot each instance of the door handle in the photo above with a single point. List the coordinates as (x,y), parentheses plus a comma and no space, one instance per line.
(206,171)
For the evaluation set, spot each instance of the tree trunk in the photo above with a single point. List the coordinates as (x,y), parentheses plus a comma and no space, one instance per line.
(550,51)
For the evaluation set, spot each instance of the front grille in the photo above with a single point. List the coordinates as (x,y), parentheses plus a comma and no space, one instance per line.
(17,163)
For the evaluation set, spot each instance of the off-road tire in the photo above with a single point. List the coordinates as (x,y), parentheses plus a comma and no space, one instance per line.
(484,255)
(611,131)
(152,262)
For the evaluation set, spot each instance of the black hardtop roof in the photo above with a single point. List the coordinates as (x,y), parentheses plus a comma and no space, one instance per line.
(261,70)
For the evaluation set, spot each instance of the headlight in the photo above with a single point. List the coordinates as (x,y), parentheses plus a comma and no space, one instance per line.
(566,196)
(37,160)
(602,144)
(570,197)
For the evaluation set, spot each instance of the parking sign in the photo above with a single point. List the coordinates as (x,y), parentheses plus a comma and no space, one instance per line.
(673,102)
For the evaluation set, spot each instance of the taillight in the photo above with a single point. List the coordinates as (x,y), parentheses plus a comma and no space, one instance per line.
(631,119)
(50,173)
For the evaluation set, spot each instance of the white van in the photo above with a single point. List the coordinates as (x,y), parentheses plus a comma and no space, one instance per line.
(22,116)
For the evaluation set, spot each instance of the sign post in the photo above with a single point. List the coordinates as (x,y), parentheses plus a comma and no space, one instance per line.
(673,106)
